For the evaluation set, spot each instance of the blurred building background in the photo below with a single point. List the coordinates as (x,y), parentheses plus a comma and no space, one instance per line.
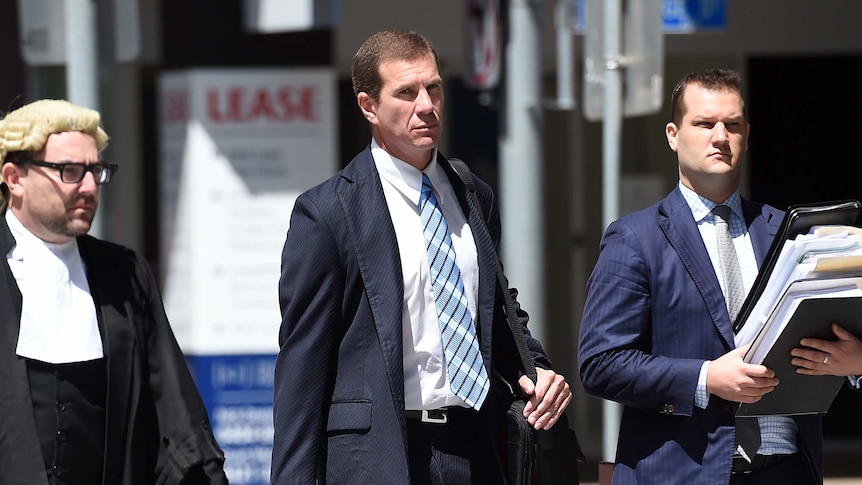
(799,60)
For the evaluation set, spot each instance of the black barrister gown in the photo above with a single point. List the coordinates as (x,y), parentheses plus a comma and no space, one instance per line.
(157,428)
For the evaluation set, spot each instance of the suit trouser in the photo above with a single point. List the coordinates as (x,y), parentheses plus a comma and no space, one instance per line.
(791,470)
(458,452)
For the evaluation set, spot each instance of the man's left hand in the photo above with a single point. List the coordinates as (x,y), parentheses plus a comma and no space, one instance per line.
(842,357)
(548,398)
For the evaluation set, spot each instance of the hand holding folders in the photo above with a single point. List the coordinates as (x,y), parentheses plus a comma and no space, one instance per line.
(811,278)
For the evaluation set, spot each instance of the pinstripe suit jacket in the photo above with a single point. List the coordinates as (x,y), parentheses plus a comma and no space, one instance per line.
(654,313)
(339,378)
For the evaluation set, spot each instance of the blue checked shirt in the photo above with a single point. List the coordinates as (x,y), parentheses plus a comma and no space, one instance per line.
(778,433)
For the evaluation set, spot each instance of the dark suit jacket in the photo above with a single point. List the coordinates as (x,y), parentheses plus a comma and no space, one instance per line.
(339,378)
(654,313)
(156,424)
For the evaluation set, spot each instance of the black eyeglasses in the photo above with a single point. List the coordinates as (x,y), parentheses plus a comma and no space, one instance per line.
(74,172)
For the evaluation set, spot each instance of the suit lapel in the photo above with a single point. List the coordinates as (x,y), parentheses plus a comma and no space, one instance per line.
(372,236)
(680,229)
(763,224)
(678,225)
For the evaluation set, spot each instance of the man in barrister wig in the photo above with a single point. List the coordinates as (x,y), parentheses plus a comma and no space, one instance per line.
(93,386)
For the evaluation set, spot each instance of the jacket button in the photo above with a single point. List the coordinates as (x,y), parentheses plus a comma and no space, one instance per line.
(61,406)
(668,409)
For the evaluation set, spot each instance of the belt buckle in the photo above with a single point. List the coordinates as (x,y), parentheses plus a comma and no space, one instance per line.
(436,416)
(740,466)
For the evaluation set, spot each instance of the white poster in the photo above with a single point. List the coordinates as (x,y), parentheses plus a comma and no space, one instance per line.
(271,16)
(237,146)
(43,31)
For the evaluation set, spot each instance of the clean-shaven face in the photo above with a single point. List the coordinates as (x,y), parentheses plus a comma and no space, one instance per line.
(711,138)
(407,119)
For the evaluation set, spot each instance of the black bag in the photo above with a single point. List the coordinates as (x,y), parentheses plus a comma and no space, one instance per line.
(533,457)
(538,457)
(519,445)
(557,454)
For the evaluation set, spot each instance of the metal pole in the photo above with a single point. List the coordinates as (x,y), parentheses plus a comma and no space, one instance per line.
(82,56)
(563,14)
(611,136)
(521,163)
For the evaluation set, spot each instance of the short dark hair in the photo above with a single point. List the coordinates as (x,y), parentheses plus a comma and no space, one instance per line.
(712,79)
(389,45)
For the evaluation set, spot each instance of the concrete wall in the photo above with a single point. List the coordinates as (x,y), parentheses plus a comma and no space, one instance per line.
(753,27)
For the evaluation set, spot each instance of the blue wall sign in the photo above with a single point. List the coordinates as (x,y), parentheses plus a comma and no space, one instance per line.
(237,391)
(694,15)
(678,16)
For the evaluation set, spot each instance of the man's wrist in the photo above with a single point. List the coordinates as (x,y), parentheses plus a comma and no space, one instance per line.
(701,396)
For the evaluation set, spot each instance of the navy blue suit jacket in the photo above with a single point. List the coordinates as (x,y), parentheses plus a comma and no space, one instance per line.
(654,313)
(339,378)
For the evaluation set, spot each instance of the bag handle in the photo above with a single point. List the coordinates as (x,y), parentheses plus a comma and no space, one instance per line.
(511,316)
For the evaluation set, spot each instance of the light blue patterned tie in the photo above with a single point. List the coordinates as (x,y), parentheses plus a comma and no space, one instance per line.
(729,263)
(467,374)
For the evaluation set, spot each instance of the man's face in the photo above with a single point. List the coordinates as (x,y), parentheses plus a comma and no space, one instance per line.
(711,138)
(51,209)
(407,120)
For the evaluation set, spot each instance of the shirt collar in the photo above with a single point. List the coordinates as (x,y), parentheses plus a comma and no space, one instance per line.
(406,178)
(701,207)
(24,239)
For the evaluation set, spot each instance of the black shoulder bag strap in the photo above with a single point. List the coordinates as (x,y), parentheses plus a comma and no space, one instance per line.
(511,315)
(548,456)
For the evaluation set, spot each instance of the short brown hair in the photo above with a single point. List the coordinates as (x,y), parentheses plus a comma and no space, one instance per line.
(388,45)
(711,79)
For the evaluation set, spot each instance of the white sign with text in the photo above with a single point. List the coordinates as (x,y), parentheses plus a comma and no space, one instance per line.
(237,146)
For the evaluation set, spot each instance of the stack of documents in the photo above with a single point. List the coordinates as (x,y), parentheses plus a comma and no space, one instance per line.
(842,215)
(816,280)
(811,265)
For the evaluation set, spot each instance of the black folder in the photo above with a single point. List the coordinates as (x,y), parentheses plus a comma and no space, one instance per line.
(797,393)
(798,219)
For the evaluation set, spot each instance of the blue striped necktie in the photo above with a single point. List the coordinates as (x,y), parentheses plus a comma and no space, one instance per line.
(464,365)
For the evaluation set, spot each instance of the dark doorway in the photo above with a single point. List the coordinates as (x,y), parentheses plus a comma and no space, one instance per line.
(804,143)
(804,147)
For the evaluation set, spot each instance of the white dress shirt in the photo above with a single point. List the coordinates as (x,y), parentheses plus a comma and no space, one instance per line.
(426,384)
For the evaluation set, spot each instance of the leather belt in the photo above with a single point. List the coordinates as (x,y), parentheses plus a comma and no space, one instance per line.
(435,416)
(743,467)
